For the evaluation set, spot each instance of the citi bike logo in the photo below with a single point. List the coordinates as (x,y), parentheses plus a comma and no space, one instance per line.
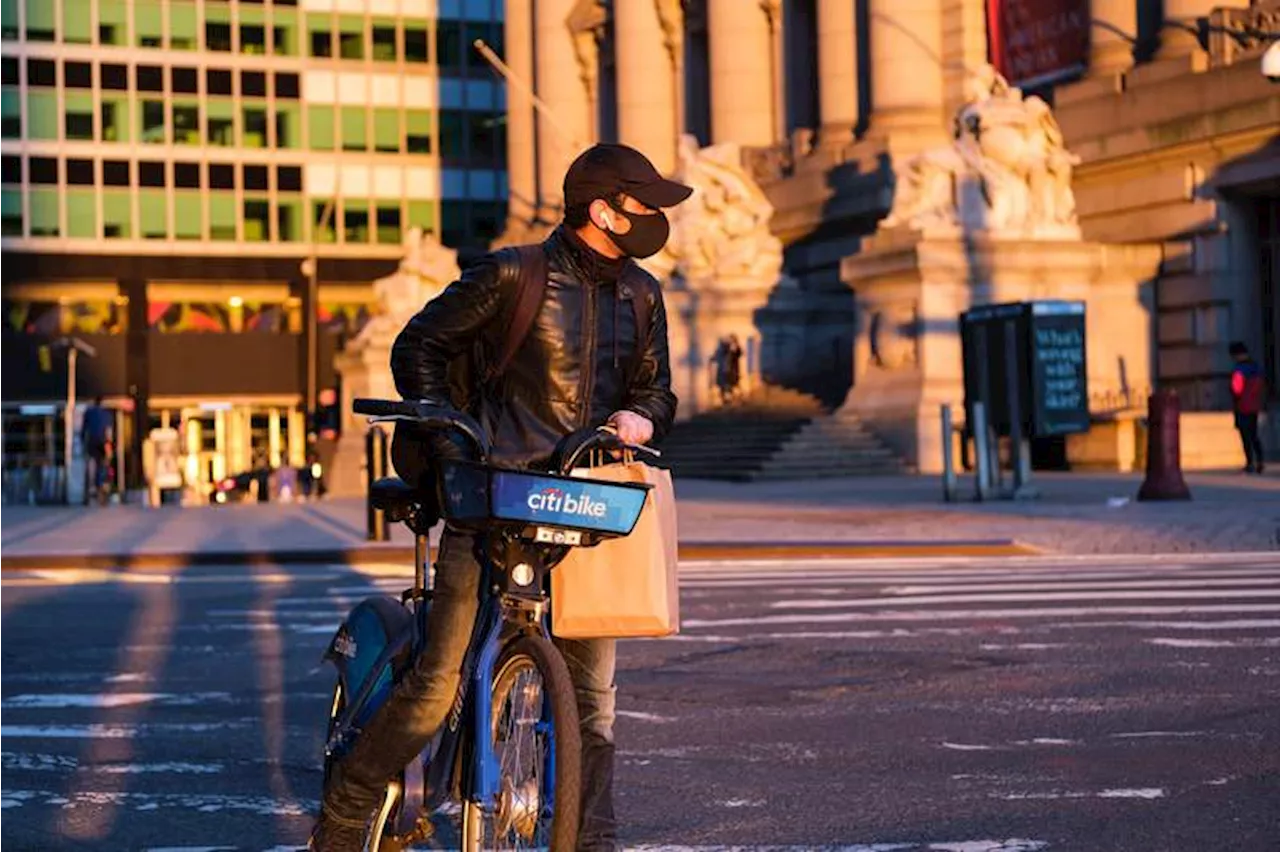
(556,500)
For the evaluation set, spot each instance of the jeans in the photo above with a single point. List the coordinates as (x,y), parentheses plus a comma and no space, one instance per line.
(1247,426)
(417,707)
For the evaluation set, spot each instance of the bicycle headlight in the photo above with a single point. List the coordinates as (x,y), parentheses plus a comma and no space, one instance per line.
(522,574)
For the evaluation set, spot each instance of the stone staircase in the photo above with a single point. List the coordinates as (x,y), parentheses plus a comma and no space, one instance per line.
(773,433)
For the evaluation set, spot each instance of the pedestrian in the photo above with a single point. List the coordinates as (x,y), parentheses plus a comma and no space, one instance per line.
(96,433)
(733,366)
(1246,398)
(564,376)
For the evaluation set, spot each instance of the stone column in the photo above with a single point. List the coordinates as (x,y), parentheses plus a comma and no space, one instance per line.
(647,118)
(907,74)
(742,98)
(561,87)
(1115,27)
(522,202)
(1175,39)
(837,72)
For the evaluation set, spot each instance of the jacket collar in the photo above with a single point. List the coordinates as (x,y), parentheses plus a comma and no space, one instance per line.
(590,266)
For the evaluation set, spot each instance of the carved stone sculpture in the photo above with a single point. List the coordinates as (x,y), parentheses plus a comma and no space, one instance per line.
(1007,171)
(722,232)
(425,270)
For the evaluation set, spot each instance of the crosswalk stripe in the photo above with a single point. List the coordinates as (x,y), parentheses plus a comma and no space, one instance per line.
(785,581)
(966,614)
(922,600)
(1072,584)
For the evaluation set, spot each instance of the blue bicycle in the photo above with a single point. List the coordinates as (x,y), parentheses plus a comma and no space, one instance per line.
(510,751)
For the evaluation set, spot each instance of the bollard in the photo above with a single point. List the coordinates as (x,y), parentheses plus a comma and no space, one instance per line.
(948,462)
(982,450)
(1164,461)
(375,456)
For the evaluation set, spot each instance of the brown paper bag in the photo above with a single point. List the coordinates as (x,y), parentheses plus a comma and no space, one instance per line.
(623,587)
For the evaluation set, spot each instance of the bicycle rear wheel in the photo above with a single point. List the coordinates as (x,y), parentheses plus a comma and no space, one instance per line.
(535,736)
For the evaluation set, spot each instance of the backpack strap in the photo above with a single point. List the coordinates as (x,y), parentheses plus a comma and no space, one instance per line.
(635,287)
(531,285)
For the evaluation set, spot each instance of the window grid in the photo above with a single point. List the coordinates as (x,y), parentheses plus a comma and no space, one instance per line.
(286,27)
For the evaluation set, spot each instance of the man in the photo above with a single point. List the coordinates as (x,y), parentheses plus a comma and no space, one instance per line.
(585,362)
(1246,396)
(95,434)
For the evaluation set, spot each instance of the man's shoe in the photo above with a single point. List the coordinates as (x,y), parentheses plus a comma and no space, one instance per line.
(332,834)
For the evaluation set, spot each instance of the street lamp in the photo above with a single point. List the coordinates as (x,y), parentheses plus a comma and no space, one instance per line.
(74,347)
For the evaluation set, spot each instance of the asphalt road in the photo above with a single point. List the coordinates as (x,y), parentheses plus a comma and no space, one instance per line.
(998,705)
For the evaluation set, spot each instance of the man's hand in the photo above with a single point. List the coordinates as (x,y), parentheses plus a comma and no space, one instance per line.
(632,428)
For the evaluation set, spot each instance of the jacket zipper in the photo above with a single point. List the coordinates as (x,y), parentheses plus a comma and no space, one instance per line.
(588,351)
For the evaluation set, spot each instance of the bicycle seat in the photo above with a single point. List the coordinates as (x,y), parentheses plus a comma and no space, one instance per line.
(394,497)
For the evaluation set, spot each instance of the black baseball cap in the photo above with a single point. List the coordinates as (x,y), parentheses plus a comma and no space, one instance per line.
(606,169)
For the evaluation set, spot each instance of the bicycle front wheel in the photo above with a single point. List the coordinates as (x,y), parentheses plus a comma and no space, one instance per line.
(538,748)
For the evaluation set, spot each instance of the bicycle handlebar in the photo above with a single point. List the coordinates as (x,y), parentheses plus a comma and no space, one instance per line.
(428,414)
(573,447)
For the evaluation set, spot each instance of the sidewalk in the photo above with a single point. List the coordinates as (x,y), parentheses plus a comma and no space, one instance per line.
(871,516)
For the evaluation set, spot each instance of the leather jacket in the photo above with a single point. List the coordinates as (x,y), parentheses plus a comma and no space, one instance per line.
(580,362)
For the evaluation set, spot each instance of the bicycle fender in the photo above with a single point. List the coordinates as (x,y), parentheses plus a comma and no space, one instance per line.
(358,652)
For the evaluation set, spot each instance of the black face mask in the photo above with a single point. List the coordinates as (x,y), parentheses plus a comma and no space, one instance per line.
(647,236)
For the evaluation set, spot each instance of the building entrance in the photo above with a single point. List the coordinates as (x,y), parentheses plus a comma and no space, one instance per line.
(225,439)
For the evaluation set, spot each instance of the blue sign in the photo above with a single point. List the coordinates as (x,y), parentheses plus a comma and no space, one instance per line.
(562,502)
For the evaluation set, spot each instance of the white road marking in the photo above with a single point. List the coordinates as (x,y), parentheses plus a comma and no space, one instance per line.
(970,614)
(65,763)
(115,732)
(1265,642)
(1140,793)
(1040,597)
(55,701)
(1065,585)
(207,803)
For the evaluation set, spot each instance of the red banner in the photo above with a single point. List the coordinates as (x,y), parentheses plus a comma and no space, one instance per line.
(1038,41)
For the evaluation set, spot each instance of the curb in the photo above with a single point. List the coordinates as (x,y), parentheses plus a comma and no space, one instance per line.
(387,553)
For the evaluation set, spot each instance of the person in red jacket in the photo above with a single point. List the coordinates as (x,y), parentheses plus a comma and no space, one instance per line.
(1246,395)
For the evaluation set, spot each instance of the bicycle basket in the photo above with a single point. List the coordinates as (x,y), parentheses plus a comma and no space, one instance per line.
(474,495)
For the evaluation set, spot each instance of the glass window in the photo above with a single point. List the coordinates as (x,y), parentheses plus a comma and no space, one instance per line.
(77,75)
(148,23)
(221,122)
(455,225)
(253,84)
(287,86)
(153,214)
(42,115)
(40,20)
(117,215)
(255,127)
(115,173)
(10,114)
(355,135)
(386,130)
(453,134)
(415,44)
(113,22)
(79,115)
(217,26)
(289,218)
(151,174)
(323,214)
(186,123)
(288,126)
(43,170)
(222,216)
(115,119)
(80,172)
(188,216)
(289,178)
(9,20)
(9,70)
(11,213)
(115,78)
(184,80)
(153,122)
(384,41)
(448,45)
(321,36)
(253,39)
(418,131)
(351,37)
(217,82)
(10,169)
(184,29)
(82,213)
(150,78)
(187,175)
(44,213)
(422,214)
(77,23)
(255,177)
(355,221)
(284,32)
(222,176)
(320,127)
(257,220)
(389,225)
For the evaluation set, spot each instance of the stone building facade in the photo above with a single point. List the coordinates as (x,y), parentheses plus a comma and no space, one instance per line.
(1174,130)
